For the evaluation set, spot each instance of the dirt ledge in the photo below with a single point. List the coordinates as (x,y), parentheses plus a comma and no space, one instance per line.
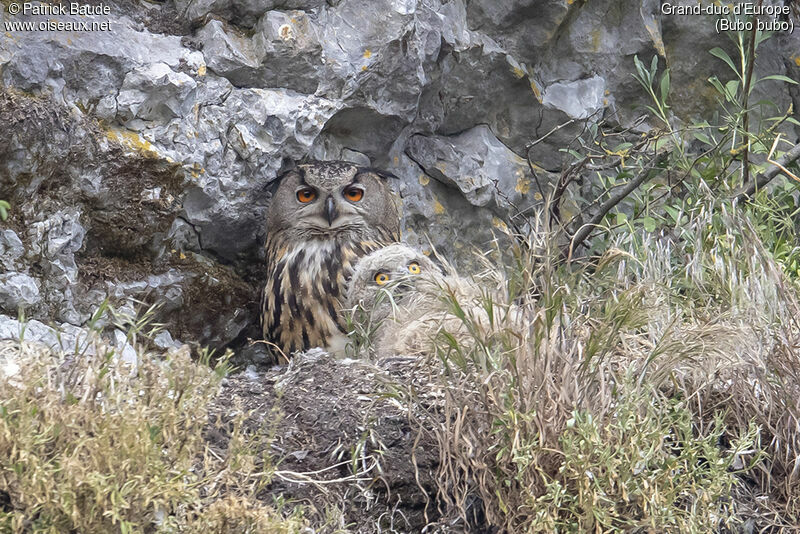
(342,440)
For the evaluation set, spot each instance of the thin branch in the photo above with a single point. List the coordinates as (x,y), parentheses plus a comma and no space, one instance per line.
(750,55)
(786,171)
(764,178)
(564,180)
(680,180)
(533,172)
(532,144)
(584,231)
(548,134)
(633,149)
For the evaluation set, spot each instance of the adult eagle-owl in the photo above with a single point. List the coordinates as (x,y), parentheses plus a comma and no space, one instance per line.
(322,218)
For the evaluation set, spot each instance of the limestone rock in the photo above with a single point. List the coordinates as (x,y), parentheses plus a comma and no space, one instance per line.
(155,93)
(11,249)
(139,160)
(482,168)
(241,12)
(18,290)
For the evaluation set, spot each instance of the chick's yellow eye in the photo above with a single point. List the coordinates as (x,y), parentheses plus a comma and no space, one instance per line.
(354,194)
(414,268)
(381,278)
(306,195)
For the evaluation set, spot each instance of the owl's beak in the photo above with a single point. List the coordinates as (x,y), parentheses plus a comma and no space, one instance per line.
(330,210)
(403,286)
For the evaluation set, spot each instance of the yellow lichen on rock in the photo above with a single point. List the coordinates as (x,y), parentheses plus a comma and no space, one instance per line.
(536,91)
(286,32)
(133,141)
(655,35)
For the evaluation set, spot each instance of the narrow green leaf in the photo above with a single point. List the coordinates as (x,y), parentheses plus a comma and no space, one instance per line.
(778,77)
(762,36)
(731,88)
(673,212)
(757,147)
(723,55)
(622,146)
(767,103)
(662,142)
(700,136)
(664,85)
(639,67)
(717,85)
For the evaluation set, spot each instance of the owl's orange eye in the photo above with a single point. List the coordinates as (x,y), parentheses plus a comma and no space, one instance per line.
(381,278)
(354,194)
(306,195)
(414,268)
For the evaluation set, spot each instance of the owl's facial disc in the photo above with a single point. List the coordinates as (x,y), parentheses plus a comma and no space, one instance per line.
(323,209)
(343,206)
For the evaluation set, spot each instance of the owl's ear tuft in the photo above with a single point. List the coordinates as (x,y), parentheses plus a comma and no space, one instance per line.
(268,188)
(287,164)
(287,167)
(383,174)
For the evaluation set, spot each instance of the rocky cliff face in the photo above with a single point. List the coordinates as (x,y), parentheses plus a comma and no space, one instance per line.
(137,147)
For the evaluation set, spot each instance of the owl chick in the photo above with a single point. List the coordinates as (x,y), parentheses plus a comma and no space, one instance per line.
(322,218)
(401,301)
(388,277)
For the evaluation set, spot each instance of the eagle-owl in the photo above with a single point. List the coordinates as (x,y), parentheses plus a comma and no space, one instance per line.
(322,218)
(401,300)
(389,278)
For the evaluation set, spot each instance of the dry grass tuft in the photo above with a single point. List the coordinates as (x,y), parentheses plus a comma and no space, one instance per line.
(90,443)
(653,389)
